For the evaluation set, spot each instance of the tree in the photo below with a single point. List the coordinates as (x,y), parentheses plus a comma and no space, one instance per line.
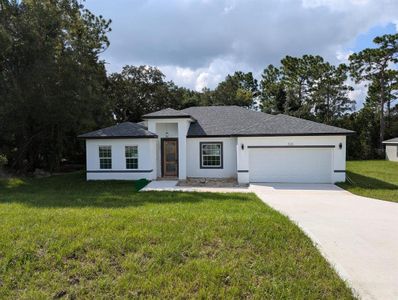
(374,65)
(299,77)
(306,87)
(330,94)
(273,94)
(140,90)
(238,89)
(51,79)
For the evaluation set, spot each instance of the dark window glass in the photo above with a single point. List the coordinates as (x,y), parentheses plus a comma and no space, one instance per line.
(131,153)
(211,155)
(105,157)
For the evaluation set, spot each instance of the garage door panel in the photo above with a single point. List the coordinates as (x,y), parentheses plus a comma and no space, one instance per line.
(297,165)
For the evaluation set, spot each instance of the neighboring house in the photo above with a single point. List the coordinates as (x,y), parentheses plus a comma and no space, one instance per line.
(391,149)
(218,142)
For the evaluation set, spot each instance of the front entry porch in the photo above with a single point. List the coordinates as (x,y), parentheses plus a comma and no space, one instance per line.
(169,157)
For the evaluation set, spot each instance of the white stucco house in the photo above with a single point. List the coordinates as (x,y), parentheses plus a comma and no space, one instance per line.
(391,149)
(218,142)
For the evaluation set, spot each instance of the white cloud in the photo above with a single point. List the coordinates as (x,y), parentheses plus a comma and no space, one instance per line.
(198,42)
(207,76)
(396,25)
(359,93)
(202,81)
(334,4)
(342,55)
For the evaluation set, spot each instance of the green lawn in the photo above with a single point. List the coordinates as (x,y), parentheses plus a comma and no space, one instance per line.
(373,178)
(64,237)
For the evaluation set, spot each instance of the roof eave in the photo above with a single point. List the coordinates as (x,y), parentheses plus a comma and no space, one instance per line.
(117,137)
(268,134)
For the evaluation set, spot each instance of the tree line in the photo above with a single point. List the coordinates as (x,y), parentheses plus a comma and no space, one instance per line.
(54,86)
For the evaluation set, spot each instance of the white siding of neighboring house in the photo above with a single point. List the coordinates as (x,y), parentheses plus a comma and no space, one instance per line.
(229,158)
(338,156)
(146,159)
(391,152)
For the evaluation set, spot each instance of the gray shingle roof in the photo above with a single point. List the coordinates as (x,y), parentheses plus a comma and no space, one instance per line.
(238,121)
(126,129)
(391,141)
(166,113)
(225,121)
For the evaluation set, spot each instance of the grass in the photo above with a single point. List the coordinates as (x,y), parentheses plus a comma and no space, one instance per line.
(62,237)
(373,178)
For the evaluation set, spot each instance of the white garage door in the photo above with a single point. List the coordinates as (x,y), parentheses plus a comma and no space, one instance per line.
(294,165)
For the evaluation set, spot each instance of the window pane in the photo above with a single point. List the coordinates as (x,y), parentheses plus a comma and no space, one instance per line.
(105,163)
(211,161)
(211,149)
(131,163)
(105,151)
(131,151)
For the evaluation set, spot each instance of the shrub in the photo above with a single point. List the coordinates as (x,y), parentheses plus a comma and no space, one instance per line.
(140,183)
(3,160)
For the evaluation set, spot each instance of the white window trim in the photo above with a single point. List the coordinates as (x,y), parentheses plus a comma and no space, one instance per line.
(202,166)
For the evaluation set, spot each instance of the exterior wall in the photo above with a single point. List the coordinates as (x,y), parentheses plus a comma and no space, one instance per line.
(175,128)
(338,155)
(164,130)
(183,127)
(229,158)
(146,164)
(391,152)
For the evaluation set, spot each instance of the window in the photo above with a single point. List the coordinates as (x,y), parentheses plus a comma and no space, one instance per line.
(211,155)
(131,157)
(105,157)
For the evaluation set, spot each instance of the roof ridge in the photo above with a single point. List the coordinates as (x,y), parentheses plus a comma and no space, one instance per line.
(166,112)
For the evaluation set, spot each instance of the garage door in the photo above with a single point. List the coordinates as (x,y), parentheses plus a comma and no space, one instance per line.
(294,165)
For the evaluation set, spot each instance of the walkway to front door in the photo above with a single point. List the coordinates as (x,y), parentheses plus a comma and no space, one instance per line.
(169,157)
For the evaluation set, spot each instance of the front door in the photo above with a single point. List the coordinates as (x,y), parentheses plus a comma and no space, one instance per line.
(170,157)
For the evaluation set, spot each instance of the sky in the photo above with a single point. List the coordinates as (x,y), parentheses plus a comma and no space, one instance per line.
(196,43)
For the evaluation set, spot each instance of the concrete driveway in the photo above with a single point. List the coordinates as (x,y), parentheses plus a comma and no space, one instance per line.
(358,235)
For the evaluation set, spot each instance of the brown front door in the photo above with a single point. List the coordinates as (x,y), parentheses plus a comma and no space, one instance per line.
(170,157)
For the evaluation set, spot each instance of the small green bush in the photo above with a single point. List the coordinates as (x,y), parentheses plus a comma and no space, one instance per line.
(140,183)
(3,160)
